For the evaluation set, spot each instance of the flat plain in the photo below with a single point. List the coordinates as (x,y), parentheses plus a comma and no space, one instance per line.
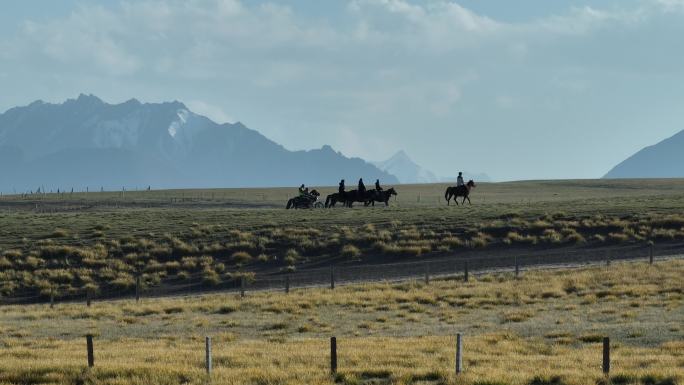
(543,328)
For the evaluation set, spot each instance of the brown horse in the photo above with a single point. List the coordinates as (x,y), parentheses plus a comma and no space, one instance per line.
(459,191)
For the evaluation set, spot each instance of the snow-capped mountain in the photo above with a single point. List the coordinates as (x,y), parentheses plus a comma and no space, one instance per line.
(408,171)
(86,142)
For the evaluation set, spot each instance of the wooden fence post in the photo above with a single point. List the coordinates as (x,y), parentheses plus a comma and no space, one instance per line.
(650,254)
(287,283)
(332,277)
(606,355)
(242,286)
(333,355)
(89,346)
(207,354)
(465,272)
(459,353)
(427,273)
(137,287)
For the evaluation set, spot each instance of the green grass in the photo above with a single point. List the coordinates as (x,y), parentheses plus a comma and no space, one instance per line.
(101,240)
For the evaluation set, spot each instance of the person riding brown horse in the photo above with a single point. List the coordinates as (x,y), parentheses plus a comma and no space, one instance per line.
(459,191)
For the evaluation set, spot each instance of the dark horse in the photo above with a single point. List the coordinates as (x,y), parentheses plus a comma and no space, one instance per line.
(459,191)
(332,199)
(357,196)
(380,196)
(304,201)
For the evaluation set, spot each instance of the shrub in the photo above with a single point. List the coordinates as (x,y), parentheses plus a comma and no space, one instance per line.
(59,233)
(240,257)
(291,256)
(210,277)
(351,252)
(618,237)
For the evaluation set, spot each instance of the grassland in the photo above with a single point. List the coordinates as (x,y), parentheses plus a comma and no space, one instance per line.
(68,244)
(543,328)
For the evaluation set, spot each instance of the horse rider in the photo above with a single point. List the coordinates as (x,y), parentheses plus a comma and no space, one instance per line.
(362,187)
(459,180)
(302,189)
(341,188)
(377,185)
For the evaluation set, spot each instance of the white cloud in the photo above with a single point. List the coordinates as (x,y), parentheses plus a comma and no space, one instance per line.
(213,112)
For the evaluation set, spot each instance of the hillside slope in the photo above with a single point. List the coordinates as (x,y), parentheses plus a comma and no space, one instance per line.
(662,160)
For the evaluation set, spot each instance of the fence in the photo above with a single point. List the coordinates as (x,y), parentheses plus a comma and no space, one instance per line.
(345,273)
(458,356)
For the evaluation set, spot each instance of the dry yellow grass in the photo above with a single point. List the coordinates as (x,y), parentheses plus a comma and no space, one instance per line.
(536,330)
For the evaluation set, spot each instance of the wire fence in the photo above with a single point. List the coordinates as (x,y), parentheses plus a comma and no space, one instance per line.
(346,273)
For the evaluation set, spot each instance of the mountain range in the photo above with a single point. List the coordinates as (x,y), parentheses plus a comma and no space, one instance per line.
(408,171)
(662,160)
(85,142)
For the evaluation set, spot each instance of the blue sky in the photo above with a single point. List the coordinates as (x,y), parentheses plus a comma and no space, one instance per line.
(518,90)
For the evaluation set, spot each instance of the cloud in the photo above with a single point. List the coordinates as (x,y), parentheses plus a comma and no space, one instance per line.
(376,75)
(215,113)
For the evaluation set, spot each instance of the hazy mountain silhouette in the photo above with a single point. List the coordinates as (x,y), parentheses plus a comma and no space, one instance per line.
(405,169)
(86,142)
(408,171)
(662,160)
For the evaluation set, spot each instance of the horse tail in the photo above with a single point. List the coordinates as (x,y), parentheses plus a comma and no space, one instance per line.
(446,194)
(289,204)
(327,201)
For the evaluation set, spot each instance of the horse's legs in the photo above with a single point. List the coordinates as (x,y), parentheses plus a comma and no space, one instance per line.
(469,202)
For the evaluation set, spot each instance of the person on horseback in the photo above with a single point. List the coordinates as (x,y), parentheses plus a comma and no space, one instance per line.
(341,188)
(377,185)
(459,180)
(362,187)
(302,190)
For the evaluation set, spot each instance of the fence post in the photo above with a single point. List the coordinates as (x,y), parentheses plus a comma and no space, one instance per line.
(427,273)
(606,355)
(89,346)
(88,297)
(465,272)
(137,287)
(459,353)
(332,277)
(517,268)
(333,355)
(207,354)
(650,254)
(242,286)
(287,283)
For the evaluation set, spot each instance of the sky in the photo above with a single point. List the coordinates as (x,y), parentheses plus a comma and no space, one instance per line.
(528,89)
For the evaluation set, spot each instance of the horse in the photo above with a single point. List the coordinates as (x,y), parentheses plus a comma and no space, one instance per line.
(303,201)
(332,199)
(459,191)
(381,196)
(356,196)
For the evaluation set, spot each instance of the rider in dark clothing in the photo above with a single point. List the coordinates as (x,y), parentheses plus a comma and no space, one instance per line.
(377,185)
(301,190)
(341,188)
(362,187)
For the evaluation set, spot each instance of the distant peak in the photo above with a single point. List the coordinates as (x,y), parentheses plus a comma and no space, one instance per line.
(88,98)
(401,154)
